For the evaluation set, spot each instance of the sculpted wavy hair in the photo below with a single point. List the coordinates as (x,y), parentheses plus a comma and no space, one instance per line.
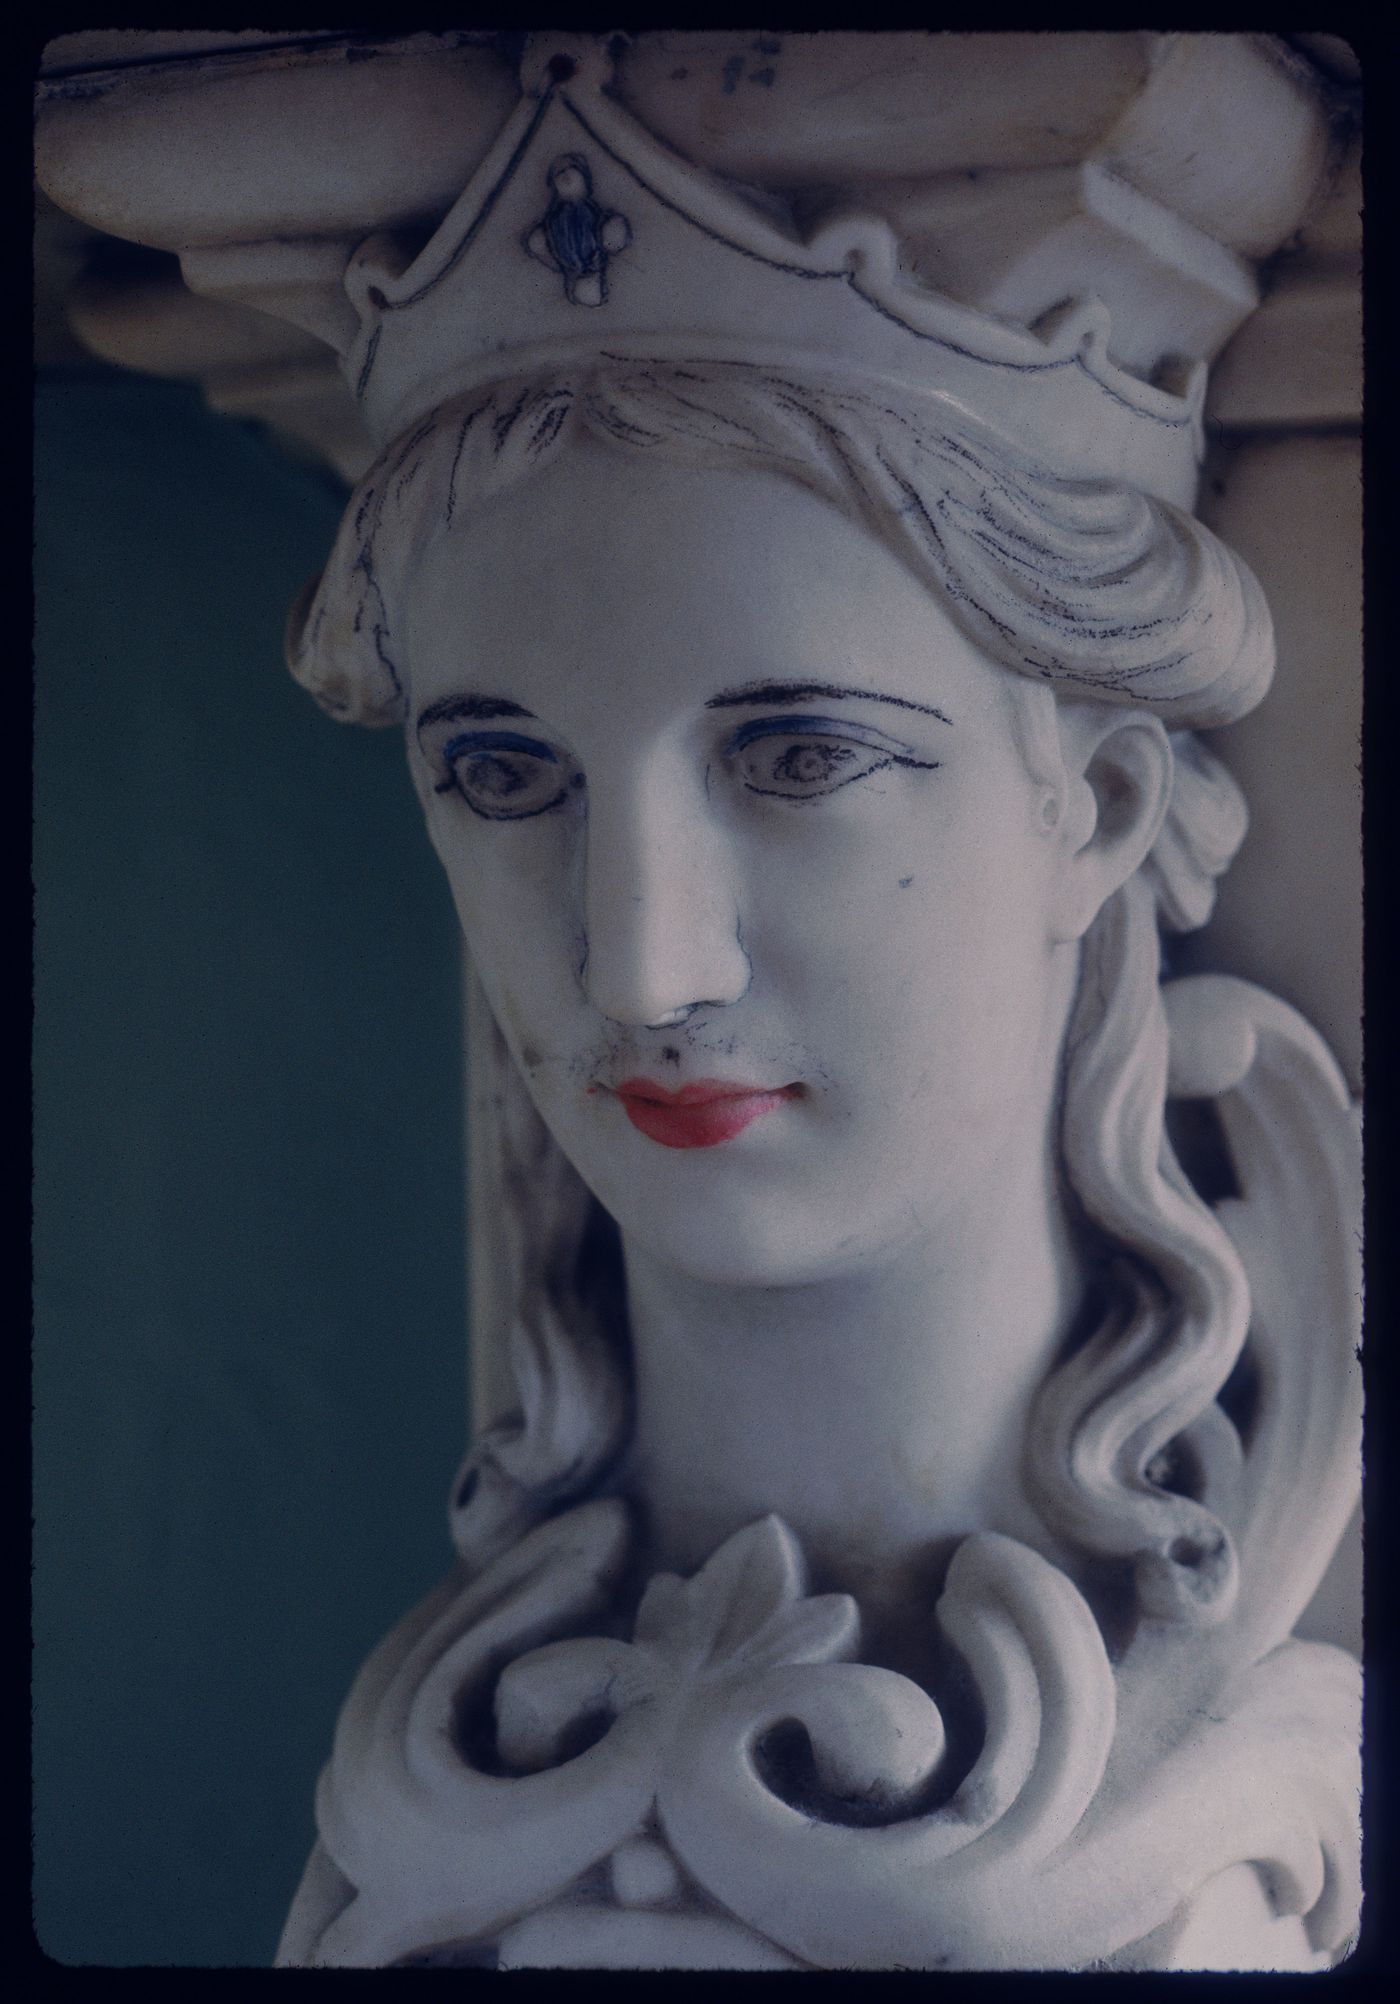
(1084,589)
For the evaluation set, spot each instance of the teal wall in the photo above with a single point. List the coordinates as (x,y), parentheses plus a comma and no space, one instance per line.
(248,1195)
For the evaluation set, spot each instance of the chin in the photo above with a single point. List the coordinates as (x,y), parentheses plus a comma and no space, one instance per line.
(753,1245)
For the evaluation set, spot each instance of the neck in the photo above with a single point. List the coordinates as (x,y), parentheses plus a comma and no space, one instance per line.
(881,1414)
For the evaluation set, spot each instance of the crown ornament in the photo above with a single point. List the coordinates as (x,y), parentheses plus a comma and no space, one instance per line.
(581,237)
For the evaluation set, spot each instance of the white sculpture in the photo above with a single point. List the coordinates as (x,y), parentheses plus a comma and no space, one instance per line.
(916,1480)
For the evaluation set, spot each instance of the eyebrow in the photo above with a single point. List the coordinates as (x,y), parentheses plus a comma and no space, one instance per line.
(811,692)
(450,708)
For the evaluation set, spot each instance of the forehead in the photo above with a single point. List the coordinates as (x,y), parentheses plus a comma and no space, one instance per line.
(661,585)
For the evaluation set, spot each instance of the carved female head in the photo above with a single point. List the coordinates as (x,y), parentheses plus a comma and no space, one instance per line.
(826,756)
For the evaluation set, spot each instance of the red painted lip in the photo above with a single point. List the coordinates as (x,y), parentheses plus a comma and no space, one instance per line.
(698,1115)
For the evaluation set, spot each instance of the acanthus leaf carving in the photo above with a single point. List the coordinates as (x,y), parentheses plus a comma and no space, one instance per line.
(1053,1826)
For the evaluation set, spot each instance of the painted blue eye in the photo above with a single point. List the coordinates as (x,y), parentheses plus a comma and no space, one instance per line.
(804,768)
(501,775)
(805,758)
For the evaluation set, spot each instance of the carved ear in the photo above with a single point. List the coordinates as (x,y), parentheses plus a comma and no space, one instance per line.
(1118,782)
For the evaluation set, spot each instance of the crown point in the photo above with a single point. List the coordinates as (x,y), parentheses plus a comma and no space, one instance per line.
(551,60)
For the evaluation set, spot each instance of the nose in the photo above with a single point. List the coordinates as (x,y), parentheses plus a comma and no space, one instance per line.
(661,918)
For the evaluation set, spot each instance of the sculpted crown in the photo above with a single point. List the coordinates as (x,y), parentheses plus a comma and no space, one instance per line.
(581,236)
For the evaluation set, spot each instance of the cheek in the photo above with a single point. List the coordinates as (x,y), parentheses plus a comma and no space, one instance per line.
(515,915)
(933,1005)
(944,914)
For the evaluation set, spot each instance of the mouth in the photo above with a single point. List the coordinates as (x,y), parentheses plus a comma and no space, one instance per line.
(699,1115)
